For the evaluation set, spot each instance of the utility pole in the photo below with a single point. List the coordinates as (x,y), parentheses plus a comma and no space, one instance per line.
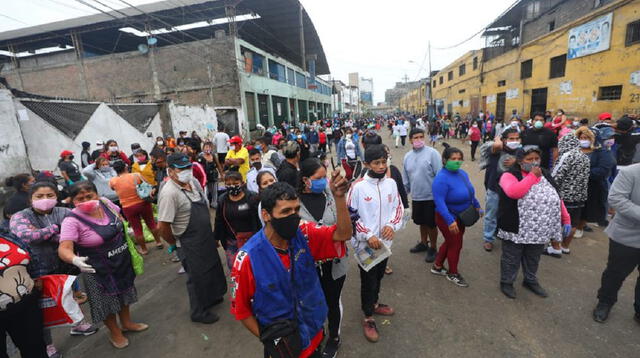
(405,78)
(430,82)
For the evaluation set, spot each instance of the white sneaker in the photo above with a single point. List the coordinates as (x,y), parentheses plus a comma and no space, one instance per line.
(578,234)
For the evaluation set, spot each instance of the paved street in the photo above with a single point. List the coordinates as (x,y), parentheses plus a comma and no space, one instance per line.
(434,317)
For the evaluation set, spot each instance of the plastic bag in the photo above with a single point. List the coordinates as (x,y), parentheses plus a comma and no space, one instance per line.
(57,303)
(136,259)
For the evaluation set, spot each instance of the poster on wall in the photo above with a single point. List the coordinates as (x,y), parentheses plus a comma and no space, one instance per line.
(590,38)
(491,98)
(566,87)
(635,78)
(512,93)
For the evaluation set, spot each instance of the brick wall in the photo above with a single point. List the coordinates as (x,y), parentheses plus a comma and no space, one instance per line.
(182,71)
(560,11)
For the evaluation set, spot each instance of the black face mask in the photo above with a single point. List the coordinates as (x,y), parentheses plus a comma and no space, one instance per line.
(257,165)
(286,227)
(375,175)
(234,190)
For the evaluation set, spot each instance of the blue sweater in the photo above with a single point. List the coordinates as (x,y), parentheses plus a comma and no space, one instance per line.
(451,194)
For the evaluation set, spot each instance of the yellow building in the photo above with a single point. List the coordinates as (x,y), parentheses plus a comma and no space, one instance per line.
(588,65)
(415,101)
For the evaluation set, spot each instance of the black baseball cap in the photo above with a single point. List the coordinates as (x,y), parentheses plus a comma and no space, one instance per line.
(178,160)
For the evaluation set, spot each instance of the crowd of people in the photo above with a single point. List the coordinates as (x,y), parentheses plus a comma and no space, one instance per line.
(287,201)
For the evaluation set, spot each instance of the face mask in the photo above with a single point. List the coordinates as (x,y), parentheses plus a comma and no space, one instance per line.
(609,142)
(514,145)
(106,169)
(318,185)
(257,165)
(286,227)
(418,144)
(185,176)
(453,165)
(475,126)
(44,204)
(259,147)
(87,207)
(585,143)
(375,175)
(538,124)
(141,159)
(576,124)
(113,149)
(527,167)
(234,190)
(160,142)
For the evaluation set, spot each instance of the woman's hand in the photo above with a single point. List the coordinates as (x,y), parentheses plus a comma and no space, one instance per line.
(453,228)
(81,263)
(537,171)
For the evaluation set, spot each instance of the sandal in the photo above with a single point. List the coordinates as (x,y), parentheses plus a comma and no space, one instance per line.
(388,270)
(122,345)
(141,327)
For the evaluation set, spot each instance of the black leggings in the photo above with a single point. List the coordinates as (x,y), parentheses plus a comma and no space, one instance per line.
(23,323)
(474,146)
(332,290)
(403,139)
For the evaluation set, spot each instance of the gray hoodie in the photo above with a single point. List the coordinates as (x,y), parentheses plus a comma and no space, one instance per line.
(624,198)
(101,180)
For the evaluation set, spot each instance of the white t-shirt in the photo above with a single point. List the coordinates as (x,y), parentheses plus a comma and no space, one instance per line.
(402,130)
(221,140)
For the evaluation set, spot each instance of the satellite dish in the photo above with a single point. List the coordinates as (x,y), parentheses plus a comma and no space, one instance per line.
(143,49)
(152,41)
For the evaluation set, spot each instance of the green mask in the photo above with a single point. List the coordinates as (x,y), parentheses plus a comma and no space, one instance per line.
(453,165)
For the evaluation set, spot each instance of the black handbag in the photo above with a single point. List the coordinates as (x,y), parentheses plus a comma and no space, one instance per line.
(470,215)
(281,339)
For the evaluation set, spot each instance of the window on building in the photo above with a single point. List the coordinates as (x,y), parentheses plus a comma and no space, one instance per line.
(526,69)
(462,69)
(434,83)
(633,33)
(608,93)
(502,83)
(533,9)
(441,80)
(450,76)
(557,66)
(277,71)
(301,80)
(462,91)
(291,76)
(552,25)
(475,63)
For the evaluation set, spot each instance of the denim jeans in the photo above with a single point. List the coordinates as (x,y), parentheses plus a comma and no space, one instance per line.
(491,215)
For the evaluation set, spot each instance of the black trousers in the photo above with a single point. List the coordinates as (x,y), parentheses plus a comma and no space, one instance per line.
(474,146)
(403,139)
(516,255)
(23,323)
(621,262)
(332,290)
(197,309)
(370,287)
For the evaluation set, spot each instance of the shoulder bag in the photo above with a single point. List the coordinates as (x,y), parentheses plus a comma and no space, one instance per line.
(470,215)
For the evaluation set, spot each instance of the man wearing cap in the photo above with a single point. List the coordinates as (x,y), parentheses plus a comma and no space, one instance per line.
(99,150)
(185,224)
(237,158)
(135,147)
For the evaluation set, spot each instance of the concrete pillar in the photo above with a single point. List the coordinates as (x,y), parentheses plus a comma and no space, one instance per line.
(13,152)
(296,111)
(256,107)
(306,109)
(270,109)
(288,110)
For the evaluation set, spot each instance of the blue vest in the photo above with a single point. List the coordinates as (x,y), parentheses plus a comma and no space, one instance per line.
(274,296)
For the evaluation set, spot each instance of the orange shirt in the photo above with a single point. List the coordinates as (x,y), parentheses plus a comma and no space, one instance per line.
(125,187)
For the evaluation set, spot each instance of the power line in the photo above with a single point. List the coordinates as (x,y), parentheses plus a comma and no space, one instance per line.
(460,43)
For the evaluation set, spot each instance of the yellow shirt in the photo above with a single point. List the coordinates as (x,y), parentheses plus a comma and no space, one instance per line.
(243,153)
(147,173)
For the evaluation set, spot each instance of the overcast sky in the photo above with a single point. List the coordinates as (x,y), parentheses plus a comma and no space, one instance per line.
(380,39)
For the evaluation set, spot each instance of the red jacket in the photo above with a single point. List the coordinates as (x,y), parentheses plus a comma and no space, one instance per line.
(123,157)
(323,138)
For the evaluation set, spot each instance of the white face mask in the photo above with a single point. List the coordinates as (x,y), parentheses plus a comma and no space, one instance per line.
(159,142)
(113,148)
(185,176)
(585,143)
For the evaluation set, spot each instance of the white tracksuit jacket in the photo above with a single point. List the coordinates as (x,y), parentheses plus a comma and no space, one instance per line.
(379,205)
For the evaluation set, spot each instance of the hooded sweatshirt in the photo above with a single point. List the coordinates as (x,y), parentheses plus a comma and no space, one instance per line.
(571,171)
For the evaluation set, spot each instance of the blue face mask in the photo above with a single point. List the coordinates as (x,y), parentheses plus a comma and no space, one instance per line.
(259,147)
(318,185)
